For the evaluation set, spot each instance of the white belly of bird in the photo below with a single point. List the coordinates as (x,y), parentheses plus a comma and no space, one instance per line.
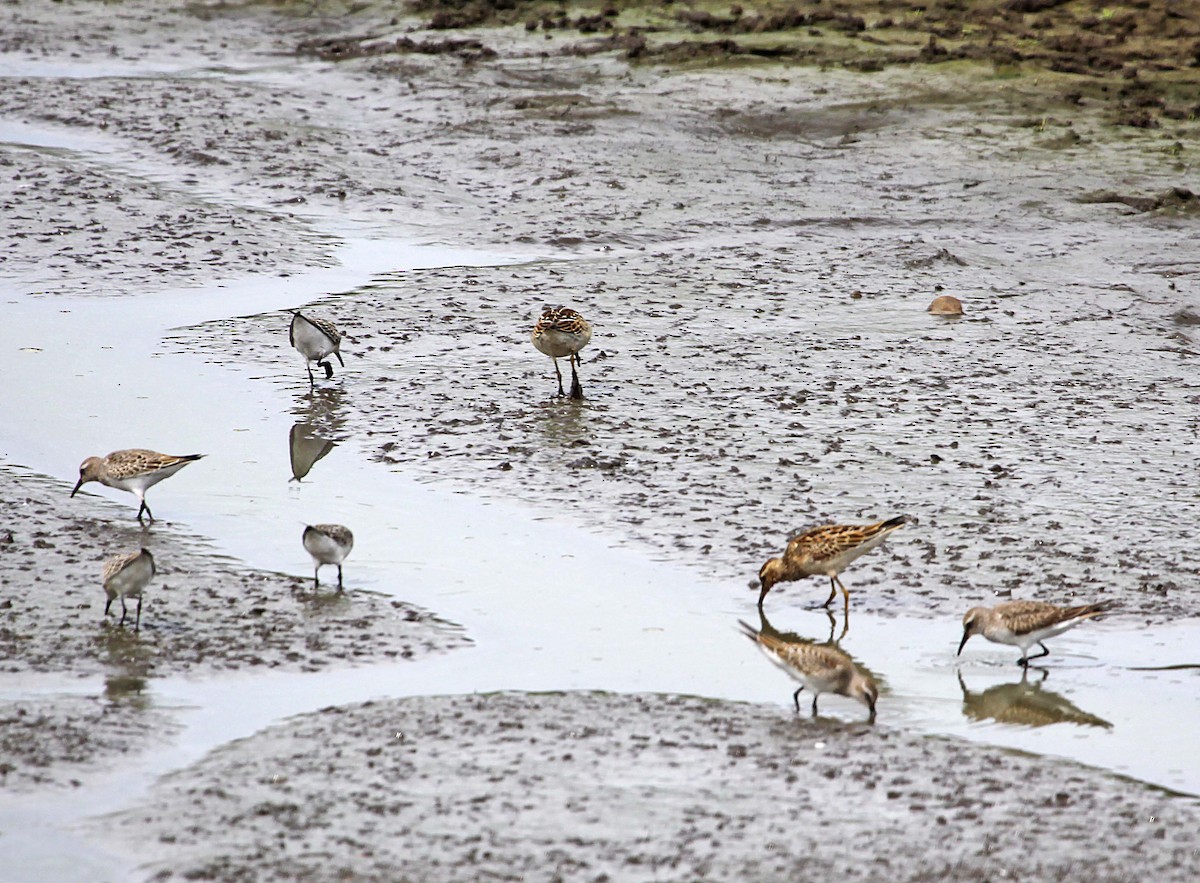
(558,344)
(131,580)
(139,483)
(323,549)
(310,340)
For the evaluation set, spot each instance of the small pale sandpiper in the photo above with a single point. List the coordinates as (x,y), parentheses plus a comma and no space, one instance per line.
(1025,623)
(562,333)
(124,577)
(821,668)
(316,340)
(328,544)
(134,470)
(825,551)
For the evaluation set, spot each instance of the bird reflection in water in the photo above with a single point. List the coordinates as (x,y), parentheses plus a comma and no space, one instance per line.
(820,667)
(311,438)
(1025,703)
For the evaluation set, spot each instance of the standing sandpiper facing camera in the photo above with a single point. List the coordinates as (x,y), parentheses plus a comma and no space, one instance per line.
(124,577)
(562,333)
(328,544)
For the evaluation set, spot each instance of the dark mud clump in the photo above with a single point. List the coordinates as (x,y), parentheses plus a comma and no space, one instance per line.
(604,787)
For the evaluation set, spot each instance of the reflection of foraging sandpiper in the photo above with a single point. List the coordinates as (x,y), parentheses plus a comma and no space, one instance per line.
(134,470)
(825,551)
(562,333)
(821,668)
(316,340)
(1025,623)
(124,577)
(328,544)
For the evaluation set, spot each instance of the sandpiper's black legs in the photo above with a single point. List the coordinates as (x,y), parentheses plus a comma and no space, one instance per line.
(576,386)
(796,697)
(316,577)
(558,374)
(146,509)
(137,626)
(1024,660)
(311,382)
(340,589)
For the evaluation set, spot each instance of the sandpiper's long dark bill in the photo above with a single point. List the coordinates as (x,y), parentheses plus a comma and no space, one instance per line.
(820,668)
(825,551)
(328,544)
(125,576)
(316,340)
(561,333)
(1025,623)
(134,469)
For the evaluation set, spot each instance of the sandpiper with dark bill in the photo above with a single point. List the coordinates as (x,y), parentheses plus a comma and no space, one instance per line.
(562,333)
(134,469)
(820,667)
(316,340)
(328,544)
(825,551)
(124,577)
(1025,623)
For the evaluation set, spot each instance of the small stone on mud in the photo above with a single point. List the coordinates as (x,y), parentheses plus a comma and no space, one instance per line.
(946,305)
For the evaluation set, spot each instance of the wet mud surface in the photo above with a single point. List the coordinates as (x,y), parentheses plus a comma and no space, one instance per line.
(600,787)
(202,613)
(755,244)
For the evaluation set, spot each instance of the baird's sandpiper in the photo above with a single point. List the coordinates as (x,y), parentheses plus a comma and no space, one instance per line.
(317,340)
(825,551)
(124,577)
(328,544)
(134,469)
(821,668)
(1025,623)
(562,333)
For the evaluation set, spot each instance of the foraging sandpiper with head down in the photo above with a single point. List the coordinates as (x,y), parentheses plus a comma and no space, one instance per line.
(316,340)
(134,469)
(821,668)
(124,577)
(825,551)
(1025,623)
(328,544)
(562,333)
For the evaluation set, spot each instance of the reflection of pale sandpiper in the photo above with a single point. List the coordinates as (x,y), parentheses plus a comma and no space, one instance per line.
(1025,623)
(124,577)
(134,470)
(328,544)
(562,333)
(316,340)
(821,668)
(825,551)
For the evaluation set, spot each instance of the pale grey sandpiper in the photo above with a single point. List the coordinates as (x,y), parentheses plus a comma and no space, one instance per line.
(125,576)
(328,544)
(561,333)
(820,668)
(825,551)
(1025,623)
(134,469)
(316,340)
